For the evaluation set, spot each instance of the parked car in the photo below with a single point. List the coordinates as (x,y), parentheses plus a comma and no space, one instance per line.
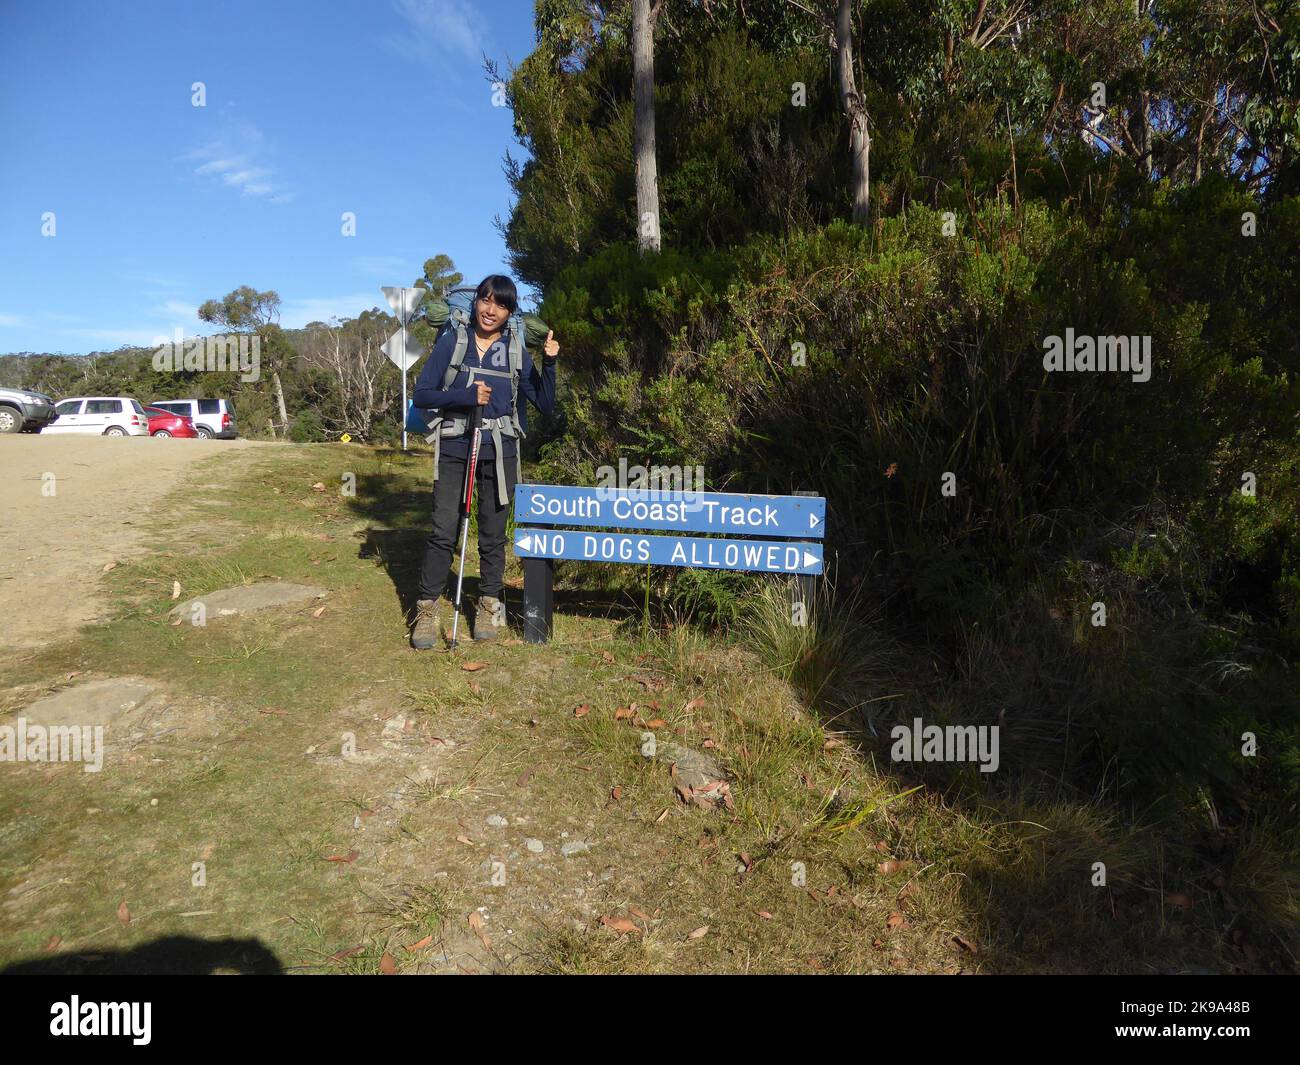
(211,417)
(165,423)
(22,410)
(104,415)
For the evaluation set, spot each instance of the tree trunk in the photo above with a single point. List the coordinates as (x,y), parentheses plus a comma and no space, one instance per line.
(279,399)
(851,102)
(647,169)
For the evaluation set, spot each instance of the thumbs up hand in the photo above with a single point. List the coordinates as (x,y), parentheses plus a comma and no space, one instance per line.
(552,346)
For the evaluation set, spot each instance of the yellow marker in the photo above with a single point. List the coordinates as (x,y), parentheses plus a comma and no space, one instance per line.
(345,438)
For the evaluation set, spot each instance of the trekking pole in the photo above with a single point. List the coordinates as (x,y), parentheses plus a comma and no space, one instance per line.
(466,499)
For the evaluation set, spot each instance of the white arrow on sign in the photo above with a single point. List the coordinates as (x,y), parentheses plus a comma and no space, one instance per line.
(392,347)
(526,542)
(809,559)
(813,520)
(404,301)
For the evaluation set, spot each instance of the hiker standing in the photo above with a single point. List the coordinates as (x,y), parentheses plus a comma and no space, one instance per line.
(481,362)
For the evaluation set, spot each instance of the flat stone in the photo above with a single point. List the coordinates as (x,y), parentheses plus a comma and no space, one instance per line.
(535,845)
(694,769)
(248,598)
(576,846)
(497,821)
(97,702)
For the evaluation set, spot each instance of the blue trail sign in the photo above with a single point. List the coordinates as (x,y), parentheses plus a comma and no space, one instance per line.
(758,556)
(729,514)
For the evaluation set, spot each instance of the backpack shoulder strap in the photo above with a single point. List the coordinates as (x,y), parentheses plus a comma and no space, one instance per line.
(516,363)
(456,321)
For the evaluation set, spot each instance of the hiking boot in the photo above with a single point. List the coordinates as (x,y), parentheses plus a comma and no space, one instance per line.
(489,618)
(424,631)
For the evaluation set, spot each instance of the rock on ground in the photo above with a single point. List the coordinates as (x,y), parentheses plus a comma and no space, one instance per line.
(97,702)
(247,598)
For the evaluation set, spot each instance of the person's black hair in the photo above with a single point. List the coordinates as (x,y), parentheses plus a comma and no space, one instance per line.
(502,289)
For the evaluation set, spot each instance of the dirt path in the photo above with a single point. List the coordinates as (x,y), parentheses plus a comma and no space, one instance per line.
(69,505)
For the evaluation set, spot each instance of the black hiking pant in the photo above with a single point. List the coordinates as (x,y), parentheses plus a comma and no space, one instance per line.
(492,516)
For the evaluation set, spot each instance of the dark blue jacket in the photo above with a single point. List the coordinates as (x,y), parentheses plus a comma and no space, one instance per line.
(537,386)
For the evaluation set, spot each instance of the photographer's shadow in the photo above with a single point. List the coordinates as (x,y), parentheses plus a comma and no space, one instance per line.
(169,956)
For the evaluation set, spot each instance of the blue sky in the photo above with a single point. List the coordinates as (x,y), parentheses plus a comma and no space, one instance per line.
(312,109)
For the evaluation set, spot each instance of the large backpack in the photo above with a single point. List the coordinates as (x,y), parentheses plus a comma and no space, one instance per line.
(455,312)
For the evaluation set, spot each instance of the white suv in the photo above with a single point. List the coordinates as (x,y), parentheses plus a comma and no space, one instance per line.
(104,415)
(211,417)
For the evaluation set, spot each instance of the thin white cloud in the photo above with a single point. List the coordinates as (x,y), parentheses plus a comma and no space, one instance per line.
(107,339)
(432,29)
(392,269)
(296,313)
(13,321)
(239,158)
(185,313)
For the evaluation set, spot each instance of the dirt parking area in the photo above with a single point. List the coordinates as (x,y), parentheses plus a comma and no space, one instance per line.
(69,506)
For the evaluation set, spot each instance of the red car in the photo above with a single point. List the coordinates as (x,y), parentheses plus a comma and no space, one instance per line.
(165,423)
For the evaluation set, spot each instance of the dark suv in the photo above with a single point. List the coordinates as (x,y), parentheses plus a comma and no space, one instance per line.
(21,410)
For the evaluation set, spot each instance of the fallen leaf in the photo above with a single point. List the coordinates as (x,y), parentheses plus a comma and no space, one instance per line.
(1179,899)
(123,914)
(319,486)
(476,687)
(694,704)
(421,944)
(615,794)
(891,865)
(684,793)
(109,566)
(318,612)
(476,923)
(665,813)
(699,933)
(527,774)
(765,915)
(473,667)
(177,622)
(623,712)
(896,920)
(581,711)
(636,911)
(176,589)
(348,858)
(830,745)
(965,944)
(52,944)
(622,925)
(466,840)
(707,744)
(350,952)
(746,861)
(387,966)
(207,852)
(657,722)
(606,656)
